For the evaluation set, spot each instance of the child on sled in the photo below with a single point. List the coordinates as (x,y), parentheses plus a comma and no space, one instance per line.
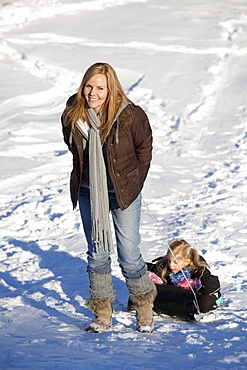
(185,286)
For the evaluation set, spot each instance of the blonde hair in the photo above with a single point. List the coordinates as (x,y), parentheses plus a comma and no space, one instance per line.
(183,251)
(114,98)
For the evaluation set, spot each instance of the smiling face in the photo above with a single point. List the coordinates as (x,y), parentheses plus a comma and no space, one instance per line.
(176,265)
(96,91)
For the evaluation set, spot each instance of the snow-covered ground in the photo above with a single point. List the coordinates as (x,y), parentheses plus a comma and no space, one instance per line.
(185,63)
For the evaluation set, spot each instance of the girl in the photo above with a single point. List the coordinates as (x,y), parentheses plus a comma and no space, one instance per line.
(111,142)
(180,271)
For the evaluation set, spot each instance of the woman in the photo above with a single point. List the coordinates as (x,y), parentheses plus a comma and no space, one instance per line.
(111,142)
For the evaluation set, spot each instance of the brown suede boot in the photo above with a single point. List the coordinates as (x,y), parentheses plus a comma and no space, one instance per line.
(102,309)
(143,304)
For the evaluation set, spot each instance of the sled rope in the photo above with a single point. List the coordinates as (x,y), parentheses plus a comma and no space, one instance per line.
(165,242)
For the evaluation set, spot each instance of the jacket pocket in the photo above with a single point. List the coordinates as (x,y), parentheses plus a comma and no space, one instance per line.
(132,176)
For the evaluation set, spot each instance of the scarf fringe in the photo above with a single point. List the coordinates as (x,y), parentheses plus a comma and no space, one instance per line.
(101,238)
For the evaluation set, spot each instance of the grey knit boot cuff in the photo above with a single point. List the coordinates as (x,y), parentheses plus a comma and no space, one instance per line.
(100,286)
(141,285)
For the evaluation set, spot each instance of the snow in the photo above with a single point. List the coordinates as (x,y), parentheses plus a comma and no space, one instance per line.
(184,63)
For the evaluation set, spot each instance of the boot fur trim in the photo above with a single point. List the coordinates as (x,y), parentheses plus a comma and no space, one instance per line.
(140,300)
(99,304)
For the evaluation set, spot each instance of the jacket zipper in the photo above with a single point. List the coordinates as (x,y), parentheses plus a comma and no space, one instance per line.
(115,178)
(214,291)
(78,190)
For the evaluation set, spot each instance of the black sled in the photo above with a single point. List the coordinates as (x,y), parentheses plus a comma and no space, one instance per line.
(175,301)
(180,303)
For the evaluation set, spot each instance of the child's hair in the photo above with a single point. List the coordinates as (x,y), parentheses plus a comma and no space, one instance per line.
(182,250)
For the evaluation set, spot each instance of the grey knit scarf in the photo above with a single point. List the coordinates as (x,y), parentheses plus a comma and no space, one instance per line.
(101,227)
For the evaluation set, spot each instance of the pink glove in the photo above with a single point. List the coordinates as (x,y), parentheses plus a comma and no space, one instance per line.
(154,278)
(194,283)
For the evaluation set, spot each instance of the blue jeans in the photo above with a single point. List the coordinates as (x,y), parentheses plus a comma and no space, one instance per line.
(126,225)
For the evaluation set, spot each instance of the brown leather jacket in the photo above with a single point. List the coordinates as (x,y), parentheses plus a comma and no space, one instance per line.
(129,153)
